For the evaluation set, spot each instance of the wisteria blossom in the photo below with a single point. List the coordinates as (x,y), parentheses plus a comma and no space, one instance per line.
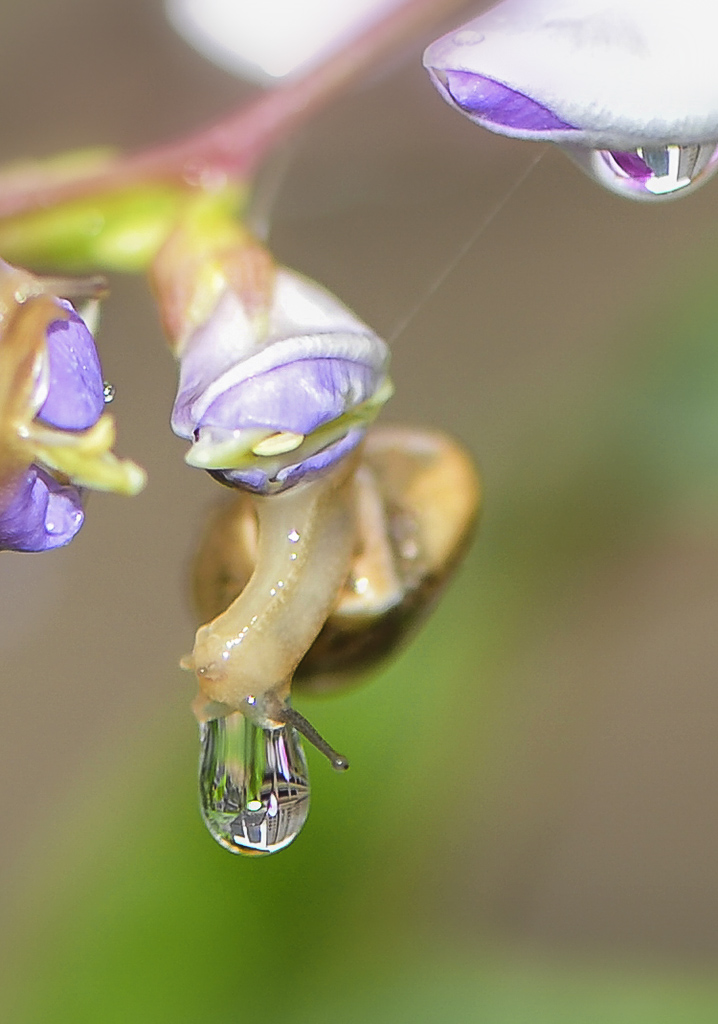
(627,86)
(54,439)
(279,384)
(278,379)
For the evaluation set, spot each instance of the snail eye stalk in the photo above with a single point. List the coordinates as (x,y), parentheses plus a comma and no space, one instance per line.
(292,717)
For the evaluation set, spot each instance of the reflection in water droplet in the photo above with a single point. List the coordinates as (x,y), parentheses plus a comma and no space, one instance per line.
(254,786)
(649,172)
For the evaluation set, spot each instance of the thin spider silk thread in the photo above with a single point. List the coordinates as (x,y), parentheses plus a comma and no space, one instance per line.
(270,185)
(462,251)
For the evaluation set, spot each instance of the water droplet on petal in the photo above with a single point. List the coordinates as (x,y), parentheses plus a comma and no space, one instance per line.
(108,392)
(468,37)
(254,785)
(649,173)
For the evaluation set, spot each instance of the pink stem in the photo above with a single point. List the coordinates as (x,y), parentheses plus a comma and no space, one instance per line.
(234,147)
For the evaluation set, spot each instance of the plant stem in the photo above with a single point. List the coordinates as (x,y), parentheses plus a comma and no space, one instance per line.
(233,148)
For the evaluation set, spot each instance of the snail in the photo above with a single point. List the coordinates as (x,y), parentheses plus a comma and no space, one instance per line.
(338,534)
(374,549)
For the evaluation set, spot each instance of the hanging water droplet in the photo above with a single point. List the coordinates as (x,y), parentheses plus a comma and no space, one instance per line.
(254,785)
(649,173)
(108,392)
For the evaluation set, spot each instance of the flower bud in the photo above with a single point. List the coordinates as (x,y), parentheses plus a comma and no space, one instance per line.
(628,86)
(278,380)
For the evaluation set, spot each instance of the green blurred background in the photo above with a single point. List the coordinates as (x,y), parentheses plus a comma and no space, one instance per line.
(528,832)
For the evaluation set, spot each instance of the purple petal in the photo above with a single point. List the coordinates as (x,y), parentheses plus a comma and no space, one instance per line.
(296,397)
(631,164)
(259,481)
(75,397)
(321,460)
(496,103)
(305,323)
(41,513)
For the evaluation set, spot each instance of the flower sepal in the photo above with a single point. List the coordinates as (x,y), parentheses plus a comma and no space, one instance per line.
(86,458)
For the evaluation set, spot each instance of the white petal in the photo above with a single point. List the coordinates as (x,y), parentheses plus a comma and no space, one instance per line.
(261,39)
(619,70)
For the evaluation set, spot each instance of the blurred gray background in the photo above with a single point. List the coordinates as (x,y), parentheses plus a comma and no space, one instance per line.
(590,803)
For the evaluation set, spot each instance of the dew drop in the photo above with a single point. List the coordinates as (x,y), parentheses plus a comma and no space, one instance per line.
(254,786)
(293,536)
(649,173)
(467,37)
(108,392)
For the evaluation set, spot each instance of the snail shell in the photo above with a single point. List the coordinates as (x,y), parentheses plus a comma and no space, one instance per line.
(417,496)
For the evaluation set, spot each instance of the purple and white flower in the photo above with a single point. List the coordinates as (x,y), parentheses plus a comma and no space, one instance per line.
(36,511)
(270,400)
(628,87)
(54,439)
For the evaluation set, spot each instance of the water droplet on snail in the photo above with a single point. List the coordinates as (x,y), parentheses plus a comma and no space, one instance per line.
(254,784)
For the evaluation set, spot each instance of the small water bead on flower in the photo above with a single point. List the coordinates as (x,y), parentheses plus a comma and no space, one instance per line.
(648,173)
(628,89)
(53,437)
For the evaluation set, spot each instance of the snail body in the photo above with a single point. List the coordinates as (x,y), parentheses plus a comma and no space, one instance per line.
(412,498)
(246,656)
